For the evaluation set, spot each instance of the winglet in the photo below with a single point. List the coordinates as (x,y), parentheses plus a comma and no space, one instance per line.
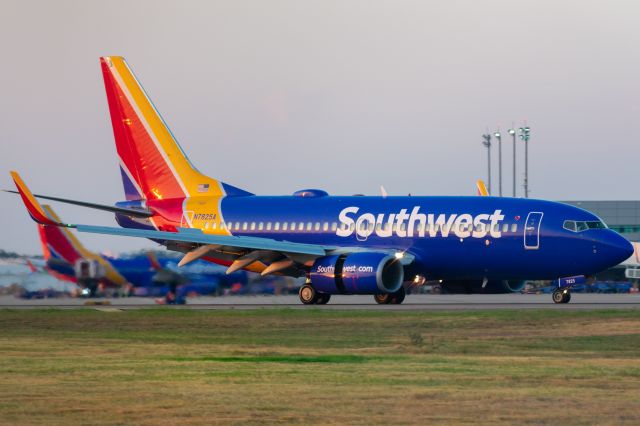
(482,189)
(31,266)
(153,259)
(34,208)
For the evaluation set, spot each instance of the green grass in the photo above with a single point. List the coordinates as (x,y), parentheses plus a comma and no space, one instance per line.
(164,366)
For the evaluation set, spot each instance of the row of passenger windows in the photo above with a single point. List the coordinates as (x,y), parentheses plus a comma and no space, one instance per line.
(579,226)
(362,227)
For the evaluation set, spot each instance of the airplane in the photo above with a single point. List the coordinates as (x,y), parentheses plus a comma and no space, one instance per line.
(340,244)
(66,258)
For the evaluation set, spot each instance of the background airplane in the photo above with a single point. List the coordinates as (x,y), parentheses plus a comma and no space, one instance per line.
(342,245)
(67,259)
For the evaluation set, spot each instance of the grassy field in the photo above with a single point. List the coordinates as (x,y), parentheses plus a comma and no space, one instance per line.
(164,366)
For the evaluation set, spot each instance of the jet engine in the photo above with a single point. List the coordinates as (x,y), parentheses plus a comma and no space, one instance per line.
(357,273)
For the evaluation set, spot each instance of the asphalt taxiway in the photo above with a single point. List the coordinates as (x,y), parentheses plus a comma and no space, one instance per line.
(422,302)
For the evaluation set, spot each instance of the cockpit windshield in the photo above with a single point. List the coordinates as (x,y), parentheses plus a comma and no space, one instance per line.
(583,225)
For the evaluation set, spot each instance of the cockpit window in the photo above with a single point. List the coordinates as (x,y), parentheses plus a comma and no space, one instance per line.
(596,224)
(582,225)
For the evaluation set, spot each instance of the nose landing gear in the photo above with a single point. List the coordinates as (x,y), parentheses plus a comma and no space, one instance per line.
(561,295)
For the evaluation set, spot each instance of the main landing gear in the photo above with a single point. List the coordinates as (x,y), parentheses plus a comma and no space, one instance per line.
(561,295)
(309,296)
(390,298)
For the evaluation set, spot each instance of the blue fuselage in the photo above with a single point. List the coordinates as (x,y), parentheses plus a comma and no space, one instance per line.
(450,237)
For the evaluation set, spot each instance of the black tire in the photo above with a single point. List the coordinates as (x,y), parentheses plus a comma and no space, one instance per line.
(382,298)
(323,298)
(308,295)
(398,297)
(558,296)
(567,297)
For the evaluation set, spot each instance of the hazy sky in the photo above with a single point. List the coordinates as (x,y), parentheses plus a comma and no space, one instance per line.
(275,96)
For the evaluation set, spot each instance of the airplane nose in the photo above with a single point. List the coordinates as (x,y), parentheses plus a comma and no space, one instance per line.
(618,248)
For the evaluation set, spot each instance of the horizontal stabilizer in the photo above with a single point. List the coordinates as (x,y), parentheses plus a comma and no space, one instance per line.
(112,209)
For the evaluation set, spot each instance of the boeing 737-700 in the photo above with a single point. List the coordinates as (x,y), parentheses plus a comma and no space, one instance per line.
(341,244)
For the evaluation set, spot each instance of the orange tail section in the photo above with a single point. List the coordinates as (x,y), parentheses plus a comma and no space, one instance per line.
(153,165)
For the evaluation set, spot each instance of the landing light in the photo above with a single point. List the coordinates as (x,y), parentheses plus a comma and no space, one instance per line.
(399,255)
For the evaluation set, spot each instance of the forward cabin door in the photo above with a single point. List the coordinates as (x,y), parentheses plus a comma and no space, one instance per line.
(532,231)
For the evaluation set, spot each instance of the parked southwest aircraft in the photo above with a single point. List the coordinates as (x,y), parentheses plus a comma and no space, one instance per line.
(66,258)
(341,244)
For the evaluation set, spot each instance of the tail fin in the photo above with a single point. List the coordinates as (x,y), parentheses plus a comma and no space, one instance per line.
(482,189)
(153,165)
(59,243)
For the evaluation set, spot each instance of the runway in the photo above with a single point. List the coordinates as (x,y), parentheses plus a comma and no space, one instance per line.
(422,302)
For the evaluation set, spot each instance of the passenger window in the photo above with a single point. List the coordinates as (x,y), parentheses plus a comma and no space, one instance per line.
(253,226)
(214,225)
(514,228)
(285,226)
(317,227)
(276,226)
(325,226)
(244,226)
(237,228)
(260,226)
(268,226)
(378,227)
(505,227)
(309,226)
(293,226)
(334,227)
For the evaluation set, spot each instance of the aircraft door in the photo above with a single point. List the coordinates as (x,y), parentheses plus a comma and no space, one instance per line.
(532,231)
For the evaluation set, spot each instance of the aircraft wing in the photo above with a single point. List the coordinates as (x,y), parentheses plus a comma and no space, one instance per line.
(264,255)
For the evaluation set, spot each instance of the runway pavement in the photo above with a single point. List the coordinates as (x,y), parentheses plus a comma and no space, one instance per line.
(421,302)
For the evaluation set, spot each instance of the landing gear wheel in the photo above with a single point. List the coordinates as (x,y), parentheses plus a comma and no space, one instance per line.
(382,298)
(398,297)
(308,295)
(561,296)
(323,298)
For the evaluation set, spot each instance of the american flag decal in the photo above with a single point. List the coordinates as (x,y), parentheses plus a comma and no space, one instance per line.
(203,187)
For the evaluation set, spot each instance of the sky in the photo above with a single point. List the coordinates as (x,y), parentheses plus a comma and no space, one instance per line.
(276,96)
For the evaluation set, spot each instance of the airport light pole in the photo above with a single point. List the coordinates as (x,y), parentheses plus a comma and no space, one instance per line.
(512,132)
(499,137)
(487,143)
(524,135)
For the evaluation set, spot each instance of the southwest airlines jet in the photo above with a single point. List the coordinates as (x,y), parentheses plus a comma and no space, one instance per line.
(341,244)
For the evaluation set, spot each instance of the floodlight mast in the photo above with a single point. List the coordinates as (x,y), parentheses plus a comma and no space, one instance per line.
(524,135)
(487,143)
(499,137)
(512,132)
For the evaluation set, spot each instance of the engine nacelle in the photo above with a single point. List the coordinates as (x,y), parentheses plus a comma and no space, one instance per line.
(357,273)
(475,286)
